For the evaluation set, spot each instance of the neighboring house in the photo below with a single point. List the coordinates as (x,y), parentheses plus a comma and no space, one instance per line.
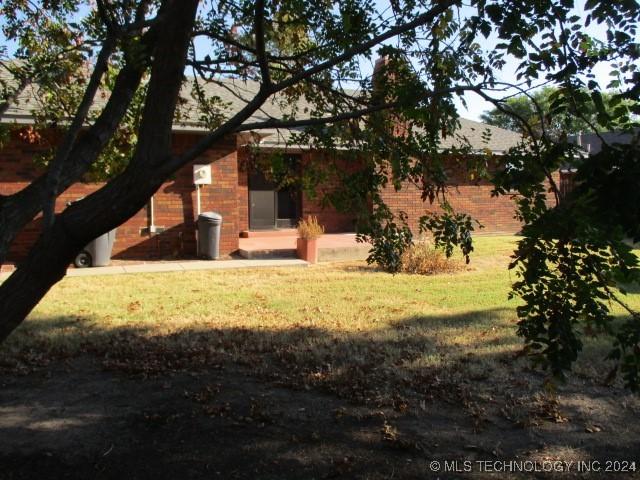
(591,143)
(247,201)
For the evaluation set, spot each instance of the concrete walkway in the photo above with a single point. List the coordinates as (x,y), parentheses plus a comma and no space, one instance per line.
(186,266)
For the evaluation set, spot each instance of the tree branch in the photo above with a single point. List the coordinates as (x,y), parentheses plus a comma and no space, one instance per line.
(246,48)
(420,20)
(105,16)
(21,207)
(101,211)
(62,154)
(354,114)
(525,124)
(236,121)
(261,54)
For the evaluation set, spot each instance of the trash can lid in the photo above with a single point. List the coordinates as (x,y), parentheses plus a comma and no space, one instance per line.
(210,217)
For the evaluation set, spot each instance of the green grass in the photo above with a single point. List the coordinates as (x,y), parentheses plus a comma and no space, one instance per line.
(327,323)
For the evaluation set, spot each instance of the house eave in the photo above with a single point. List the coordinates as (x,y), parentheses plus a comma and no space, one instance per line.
(255,139)
(17,120)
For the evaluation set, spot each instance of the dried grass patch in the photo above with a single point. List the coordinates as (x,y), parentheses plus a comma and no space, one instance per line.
(423,258)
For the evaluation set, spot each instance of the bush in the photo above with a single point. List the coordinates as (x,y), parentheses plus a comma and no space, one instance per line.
(422,258)
(310,228)
(387,246)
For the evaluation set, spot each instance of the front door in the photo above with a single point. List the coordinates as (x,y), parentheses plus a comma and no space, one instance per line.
(287,207)
(270,207)
(262,202)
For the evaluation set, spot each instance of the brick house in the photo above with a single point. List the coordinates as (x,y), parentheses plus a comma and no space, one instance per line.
(246,200)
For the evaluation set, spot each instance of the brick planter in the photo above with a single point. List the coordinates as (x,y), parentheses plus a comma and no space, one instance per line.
(307,250)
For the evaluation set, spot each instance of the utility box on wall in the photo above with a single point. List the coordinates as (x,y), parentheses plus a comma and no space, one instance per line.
(202,174)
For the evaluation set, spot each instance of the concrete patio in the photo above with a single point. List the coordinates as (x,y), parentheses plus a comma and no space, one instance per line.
(332,247)
(272,248)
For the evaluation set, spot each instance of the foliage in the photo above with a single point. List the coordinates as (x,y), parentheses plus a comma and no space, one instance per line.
(389,241)
(55,53)
(309,228)
(423,259)
(397,129)
(537,109)
(450,230)
(282,169)
(574,261)
(5,135)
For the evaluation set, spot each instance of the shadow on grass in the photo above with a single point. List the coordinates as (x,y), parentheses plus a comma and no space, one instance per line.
(631,288)
(356,267)
(299,402)
(298,346)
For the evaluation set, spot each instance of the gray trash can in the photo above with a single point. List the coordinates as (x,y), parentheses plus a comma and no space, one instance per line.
(209,226)
(98,252)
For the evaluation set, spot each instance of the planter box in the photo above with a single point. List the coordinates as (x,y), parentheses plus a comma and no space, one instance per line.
(308,250)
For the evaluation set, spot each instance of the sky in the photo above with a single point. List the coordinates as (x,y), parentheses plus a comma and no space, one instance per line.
(475,106)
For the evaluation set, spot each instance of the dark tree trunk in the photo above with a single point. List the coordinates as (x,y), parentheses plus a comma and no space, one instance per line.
(45,266)
(20,208)
(16,211)
(122,197)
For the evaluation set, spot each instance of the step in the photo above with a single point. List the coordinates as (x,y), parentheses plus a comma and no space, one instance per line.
(325,254)
(282,232)
(340,254)
(267,253)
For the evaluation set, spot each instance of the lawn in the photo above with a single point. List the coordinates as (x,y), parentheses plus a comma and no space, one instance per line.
(405,345)
(326,317)
(318,317)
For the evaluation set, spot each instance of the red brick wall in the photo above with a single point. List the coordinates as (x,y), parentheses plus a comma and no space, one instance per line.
(328,217)
(332,220)
(175,203)
(496,214)
(243,189)
(220,196)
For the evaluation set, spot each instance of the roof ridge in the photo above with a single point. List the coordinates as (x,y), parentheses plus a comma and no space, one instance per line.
(238,88)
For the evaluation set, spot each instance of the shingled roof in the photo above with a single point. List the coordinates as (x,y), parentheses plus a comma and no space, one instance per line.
(236,93)
(592,143)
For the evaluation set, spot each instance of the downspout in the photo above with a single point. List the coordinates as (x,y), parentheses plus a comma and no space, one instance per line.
(197,215)
(152,223)
(197,201)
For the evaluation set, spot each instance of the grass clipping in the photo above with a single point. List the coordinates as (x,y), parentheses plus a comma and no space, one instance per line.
(423,258)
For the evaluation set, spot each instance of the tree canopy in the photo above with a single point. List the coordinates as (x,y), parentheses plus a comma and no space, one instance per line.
(536,109)
(138,57)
